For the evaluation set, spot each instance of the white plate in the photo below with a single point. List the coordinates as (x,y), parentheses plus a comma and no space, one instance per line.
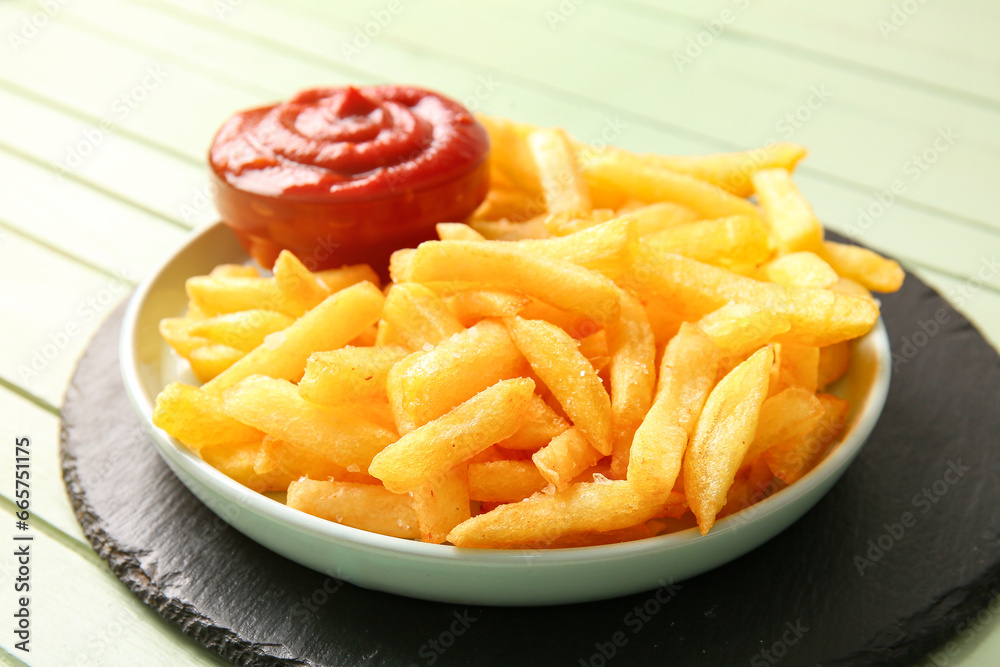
(446,573)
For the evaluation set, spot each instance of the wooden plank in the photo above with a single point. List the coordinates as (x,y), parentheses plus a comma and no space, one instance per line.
(930,44)
(48,494)
(115,164)
(50,306)
(82,615)
(81,221)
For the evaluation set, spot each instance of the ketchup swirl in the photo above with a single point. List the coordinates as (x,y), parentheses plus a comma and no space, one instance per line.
(347,175)
(348,142)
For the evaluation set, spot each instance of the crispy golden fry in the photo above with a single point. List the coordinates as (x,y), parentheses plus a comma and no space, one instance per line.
(732,171)
(632,374)
(555,160)
(457,231)
(687,374)
(243,330)
(177,332)
(488,417)
(425,386)
(788,414)
(442,504)
(792,459)
(399,264)
(851,288)
(471,306)
(630,176)
(733,241)
(504,266)
(794,226)
(504,481)
(511,159)
(542,519)
(570,222)
(541,424)
(418,316)
(345,276)
(606,247)
(740,328)
(215,295)
(724,431)
(516,228)
(570,377)
(799,367)
(280,459)
(834,360)
(799,269)
(349,436)
(197,418)
(694,289)
(863,266)
(210,361)
(349,374)
(236,461)
(363,506)
(299,288)
(565,457)
(342,316)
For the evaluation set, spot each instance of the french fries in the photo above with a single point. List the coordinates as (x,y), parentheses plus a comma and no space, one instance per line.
(613,346)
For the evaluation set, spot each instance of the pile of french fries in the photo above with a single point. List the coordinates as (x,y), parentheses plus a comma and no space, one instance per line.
(614,346)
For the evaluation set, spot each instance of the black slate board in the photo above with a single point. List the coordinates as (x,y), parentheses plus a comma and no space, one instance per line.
(800,597)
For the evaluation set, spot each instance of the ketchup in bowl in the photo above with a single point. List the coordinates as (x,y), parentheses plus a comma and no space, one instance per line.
(348,175)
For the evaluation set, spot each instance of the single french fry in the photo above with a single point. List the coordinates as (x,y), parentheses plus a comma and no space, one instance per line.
(282,459)
(740,328)
(565,457)
(177,332)
(425,386)
(365,506)
(342,316)
(794,226)
(197,418)
(791,413)
(694,289)
(457,231)
(542,519)
(570,377)
(792,459)
(834,360)
(687,374)
(298,287)
(504,266)
(736,240)
(488,417)
(210,361)
(471,306)
(799,367)
(504,481)
(851,288)
(345,276)
(555,161)
(243,330)
(799,269)
(418,316)
(541,424)
(632,374)
(215,295)
(236,461)
(732,171)
(399,264)
(349,436)
(442,503)
(349,374)
(606,247)
(863,266)
(724,431)
(630,176)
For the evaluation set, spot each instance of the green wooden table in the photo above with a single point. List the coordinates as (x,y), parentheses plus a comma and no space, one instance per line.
(107,108)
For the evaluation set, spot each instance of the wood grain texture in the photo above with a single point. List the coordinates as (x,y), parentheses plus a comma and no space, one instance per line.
(256,608)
